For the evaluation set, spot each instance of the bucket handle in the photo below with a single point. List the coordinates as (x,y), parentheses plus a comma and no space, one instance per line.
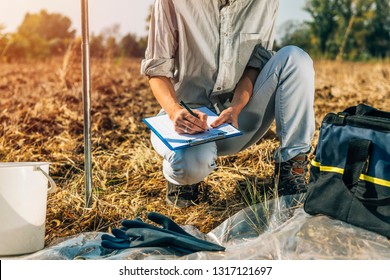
(53,186)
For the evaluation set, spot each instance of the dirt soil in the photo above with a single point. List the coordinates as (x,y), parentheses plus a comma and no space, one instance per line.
(41,119)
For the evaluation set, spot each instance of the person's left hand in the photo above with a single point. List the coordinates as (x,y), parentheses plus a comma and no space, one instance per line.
(228,115)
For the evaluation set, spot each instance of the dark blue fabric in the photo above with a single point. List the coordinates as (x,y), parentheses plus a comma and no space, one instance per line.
(333,145)
(136,234)
(357,144)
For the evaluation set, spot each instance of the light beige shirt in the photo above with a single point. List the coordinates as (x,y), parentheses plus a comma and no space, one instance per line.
(205,45)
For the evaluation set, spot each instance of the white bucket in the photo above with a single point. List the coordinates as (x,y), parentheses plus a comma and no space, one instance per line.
(23,200)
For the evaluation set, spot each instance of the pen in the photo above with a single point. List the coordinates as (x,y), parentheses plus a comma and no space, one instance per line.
(188,109)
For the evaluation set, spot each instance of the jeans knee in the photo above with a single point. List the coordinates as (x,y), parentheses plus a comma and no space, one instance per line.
(299,58)
(190,166)
(299,70)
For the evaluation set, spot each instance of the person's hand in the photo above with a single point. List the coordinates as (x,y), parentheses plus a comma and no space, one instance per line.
(228,115)
(184,122)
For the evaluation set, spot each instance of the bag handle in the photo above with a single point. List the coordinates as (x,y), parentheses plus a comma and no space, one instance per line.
(366,110)
(357,163)
(53,186)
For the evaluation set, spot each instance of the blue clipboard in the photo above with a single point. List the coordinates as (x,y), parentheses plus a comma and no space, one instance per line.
(163,127)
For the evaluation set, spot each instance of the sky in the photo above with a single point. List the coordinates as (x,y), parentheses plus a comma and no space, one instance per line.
(129,14)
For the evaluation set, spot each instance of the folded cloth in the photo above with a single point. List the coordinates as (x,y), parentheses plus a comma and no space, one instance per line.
(136,233)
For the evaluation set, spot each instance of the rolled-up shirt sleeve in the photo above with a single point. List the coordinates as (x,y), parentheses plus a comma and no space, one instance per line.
(162,41)
(259,57)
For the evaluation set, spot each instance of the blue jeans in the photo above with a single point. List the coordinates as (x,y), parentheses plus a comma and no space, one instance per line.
(284,91)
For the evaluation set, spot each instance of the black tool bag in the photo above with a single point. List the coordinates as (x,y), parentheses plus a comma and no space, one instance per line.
(350,174)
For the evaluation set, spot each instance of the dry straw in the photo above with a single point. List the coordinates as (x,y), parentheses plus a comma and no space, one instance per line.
(41,120)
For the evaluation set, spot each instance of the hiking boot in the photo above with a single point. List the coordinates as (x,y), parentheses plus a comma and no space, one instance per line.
(182,196)
(291,175)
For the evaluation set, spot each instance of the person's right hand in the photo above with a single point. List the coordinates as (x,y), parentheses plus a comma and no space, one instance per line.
(184,122)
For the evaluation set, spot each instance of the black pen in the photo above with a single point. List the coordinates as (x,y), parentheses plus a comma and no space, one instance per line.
(188,109)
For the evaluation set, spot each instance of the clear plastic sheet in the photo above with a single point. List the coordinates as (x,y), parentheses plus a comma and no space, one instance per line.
(279,229)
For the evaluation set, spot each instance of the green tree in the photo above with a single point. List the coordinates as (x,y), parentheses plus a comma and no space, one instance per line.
(355,17)
(352,29)
(96,45)
(324,21)
(130,46)
(111,48)
(298,34)
(43,34)
(111,36)
(378,39)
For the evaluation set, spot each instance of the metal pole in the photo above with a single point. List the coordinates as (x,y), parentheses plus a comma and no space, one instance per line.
(86,103)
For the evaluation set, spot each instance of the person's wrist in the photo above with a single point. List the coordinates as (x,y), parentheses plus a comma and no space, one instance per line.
(236,109)
(172,111)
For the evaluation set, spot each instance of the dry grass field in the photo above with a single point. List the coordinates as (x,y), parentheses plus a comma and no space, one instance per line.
(41,119)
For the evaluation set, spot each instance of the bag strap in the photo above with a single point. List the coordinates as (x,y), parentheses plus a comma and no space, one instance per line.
(366,110)
(357,156)
(357,163)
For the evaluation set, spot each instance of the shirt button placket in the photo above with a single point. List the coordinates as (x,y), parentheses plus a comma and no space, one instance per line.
(224,45)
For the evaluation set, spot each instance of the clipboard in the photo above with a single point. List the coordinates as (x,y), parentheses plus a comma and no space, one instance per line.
(163,127)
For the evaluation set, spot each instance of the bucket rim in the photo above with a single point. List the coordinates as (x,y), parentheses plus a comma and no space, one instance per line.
(22,164)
